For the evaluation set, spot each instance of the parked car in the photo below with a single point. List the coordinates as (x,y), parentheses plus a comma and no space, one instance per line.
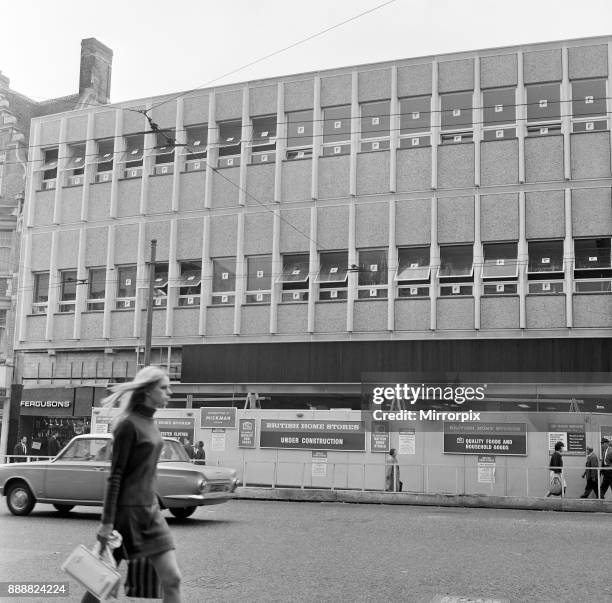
(78,476)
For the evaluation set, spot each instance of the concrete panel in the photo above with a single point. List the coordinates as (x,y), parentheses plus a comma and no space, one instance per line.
(159,321)
(164,112)
(122,324)
(258,233)
(414,169)
(545,214)
(542,66)
(591,212)
(195,109)
(332,227)
(499,312)
(593,311)
(544,159)
(126,244)
(160,232)
(413,222)
(292,318)
(456,166)
(545,311)
(370,315)
(99,201)
(263,100)
(128,197)
(336,90)
(372,225)
(499,215)
(225,187)
(192,186)
(228,105)
(41,251)
(134,122)
(590,155)
(414,80)
(455,220)
(186,321)
(499,162)
(67,249)
(189,239)
(49,133)
(96,247)
(63,327)
(330,317)
(219,320)
(456,76)
(297,180)
(223,233)
(159,195)
(295,231)
(91,325)
(260,184)
(373,173)
(71,202)
(412,314)
(588,61)
(77,129)
(255,320)
(104,124)
(374,85)
(35,327)
(334,174)
(299,95)
(455,313)
(44,202)
(498,71)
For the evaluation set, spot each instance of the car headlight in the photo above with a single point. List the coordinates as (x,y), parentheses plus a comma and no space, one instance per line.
(202,484)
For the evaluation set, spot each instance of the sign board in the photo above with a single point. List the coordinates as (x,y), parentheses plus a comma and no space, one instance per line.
(312,435)
(486,469)
(573,436)
(487,438)
(406,442)
(101,423)
(47,402)
(176,427)
(211,418)
(319,463)
(217,441)
(246,433)
(379,437)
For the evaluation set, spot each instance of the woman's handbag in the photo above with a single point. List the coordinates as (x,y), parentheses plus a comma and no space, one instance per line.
(556,486)
(142,579)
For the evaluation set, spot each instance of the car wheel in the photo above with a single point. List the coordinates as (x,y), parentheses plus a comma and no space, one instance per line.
(19,499)
(64,508)
(182,512)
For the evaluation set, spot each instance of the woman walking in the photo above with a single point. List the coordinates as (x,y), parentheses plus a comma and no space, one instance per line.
(131,505)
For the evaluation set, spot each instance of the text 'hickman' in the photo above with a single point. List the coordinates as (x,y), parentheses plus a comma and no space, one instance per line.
(424,415)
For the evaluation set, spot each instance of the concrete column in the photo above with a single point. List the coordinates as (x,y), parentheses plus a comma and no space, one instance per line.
(436,120)
(281,142)
(62,160)
(54,286)
(150,142)
(179,153)
(207,277)
(434,262)
(352,274)
(241,274)
(566,112)
(117,153)
(394,124)
(112,277)
(213,150)
(521,117)
(355,133)
(478,254)
(523,259)
(392,262)
(317,137)
(313,270)
(276,269)
(82,287)
(142,279)
(174,276)
(568,260)
(89,172)
(478,119)
(247,137)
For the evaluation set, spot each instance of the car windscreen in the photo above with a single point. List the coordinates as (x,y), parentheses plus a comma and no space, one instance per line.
(173,451)
(87,449)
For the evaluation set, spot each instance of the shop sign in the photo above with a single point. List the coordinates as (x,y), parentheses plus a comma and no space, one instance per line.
(379,437)
(488,438)
(573,436)
(486,469)
(406,441)
(47,402)
(218,417)
(246,433)
(309,435)
(176,427)
(217,441)
(319,463)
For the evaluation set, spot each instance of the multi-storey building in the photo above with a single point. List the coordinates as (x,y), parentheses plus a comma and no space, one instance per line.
(448,212)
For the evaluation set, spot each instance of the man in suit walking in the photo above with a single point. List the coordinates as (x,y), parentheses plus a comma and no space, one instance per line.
(606,463)
(592,462)
(21,450)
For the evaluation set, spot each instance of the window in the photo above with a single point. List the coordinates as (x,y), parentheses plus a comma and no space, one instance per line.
(375,125)
(589,98)
(96,289)
(224,281)
(500,269)
(6,250)
(543,109)
(456,270)
(592,265)
(373,274)
(196,149)
(294,278)
(263,143)
(299,134)
(104,160)
(160,286)
(230,138)
(499,111)
(413,272)
(259,279)
(164,152)
(415,119)
(189,285)
(337,130)
(68,285)
(333,275)
(48,170)
(126,287)
(40,300)
(545,267)
(456,111)
(75,166)
(133,156)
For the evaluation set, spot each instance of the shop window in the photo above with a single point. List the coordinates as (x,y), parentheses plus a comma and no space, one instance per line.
(96,289)
(336,130)
(375,126)
(47,173)
(131,161)
(333,275)
(74,172)
(126,287)
(456,111)
(373,274)
(294,278)
(164,152)
(263,143)
(500,269)
(68,285)
(299,134)
(104,160)
(40,300)
(545,267)
(592,265)
(456,270)
(196,147)
(189,284)
(230,139)
(224,281)
(259,279)
(413,272)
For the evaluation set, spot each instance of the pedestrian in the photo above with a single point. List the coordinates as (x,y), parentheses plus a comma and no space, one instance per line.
(131,503)
(556,471)
(592,462)
(606,463)
(392,474)
(53,446)
(188,447)
(200,455)
(21,450)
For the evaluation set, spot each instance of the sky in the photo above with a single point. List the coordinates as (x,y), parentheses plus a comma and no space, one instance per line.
(163,47)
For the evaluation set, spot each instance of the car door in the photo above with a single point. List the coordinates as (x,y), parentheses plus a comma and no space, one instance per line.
(79,473)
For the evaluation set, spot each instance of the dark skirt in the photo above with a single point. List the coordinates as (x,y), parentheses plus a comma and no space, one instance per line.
(144,530)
